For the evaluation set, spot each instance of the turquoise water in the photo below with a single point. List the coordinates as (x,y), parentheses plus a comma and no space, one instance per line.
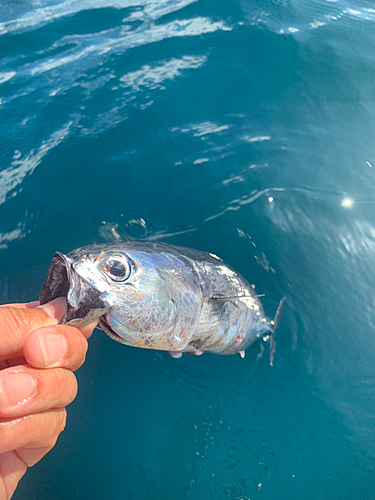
(241,128)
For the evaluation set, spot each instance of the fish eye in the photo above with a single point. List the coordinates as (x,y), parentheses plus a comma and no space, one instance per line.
(116,268)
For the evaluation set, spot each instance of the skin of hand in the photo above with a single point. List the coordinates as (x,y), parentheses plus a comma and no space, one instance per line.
(37,360)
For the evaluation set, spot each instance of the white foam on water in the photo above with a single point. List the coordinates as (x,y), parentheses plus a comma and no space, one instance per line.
(47,14)
(233,179)
(209,128)
(4,77)
(201,129)
(317,24)
(154,77)
(259,138)
(16,234)
(200,160)
(114,40)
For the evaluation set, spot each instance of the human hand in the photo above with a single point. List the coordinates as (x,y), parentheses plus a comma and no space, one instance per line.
(37,360)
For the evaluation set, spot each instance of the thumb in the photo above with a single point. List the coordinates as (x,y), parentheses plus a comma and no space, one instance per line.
(16,323)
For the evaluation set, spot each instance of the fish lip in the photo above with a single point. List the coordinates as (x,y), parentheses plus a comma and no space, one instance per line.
(83,302)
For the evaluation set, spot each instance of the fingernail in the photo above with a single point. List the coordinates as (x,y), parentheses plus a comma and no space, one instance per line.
(55,308)
(52,348)
(16,387)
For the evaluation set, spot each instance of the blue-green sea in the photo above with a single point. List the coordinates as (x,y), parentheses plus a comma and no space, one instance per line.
(242,128)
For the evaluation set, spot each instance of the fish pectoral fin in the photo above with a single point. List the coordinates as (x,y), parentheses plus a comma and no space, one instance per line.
(230,297)
(195,353)
(175,354)
(233,298)
(242,353)
(188,350)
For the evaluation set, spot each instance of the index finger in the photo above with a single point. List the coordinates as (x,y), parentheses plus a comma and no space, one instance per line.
(25,305)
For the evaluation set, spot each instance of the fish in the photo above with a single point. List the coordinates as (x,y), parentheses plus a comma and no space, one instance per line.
(159,296)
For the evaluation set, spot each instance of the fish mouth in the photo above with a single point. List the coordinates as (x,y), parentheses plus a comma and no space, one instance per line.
(83,302)
(57,282)
(105,326)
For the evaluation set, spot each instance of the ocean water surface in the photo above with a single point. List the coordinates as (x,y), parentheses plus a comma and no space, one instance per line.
(242,128)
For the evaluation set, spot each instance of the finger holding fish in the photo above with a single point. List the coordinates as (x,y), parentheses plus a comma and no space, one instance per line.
(58,346)
(25,390)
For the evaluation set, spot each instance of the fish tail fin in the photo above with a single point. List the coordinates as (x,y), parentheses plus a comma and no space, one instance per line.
(275,325)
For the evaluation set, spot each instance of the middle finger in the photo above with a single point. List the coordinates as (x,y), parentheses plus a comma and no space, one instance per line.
(25,390)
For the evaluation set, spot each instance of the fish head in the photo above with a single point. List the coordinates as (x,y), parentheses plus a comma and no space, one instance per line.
(137,296)
(76,277)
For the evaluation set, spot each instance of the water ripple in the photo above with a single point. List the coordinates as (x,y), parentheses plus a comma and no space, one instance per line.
(292,18)
(116,40)
(201,129)
(79,61)
(20,167)
(48,14)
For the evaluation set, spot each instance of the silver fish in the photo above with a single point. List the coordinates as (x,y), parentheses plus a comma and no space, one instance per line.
(159,296)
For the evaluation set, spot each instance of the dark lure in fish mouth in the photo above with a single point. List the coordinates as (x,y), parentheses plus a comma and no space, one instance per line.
(83,303)
(57,283)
